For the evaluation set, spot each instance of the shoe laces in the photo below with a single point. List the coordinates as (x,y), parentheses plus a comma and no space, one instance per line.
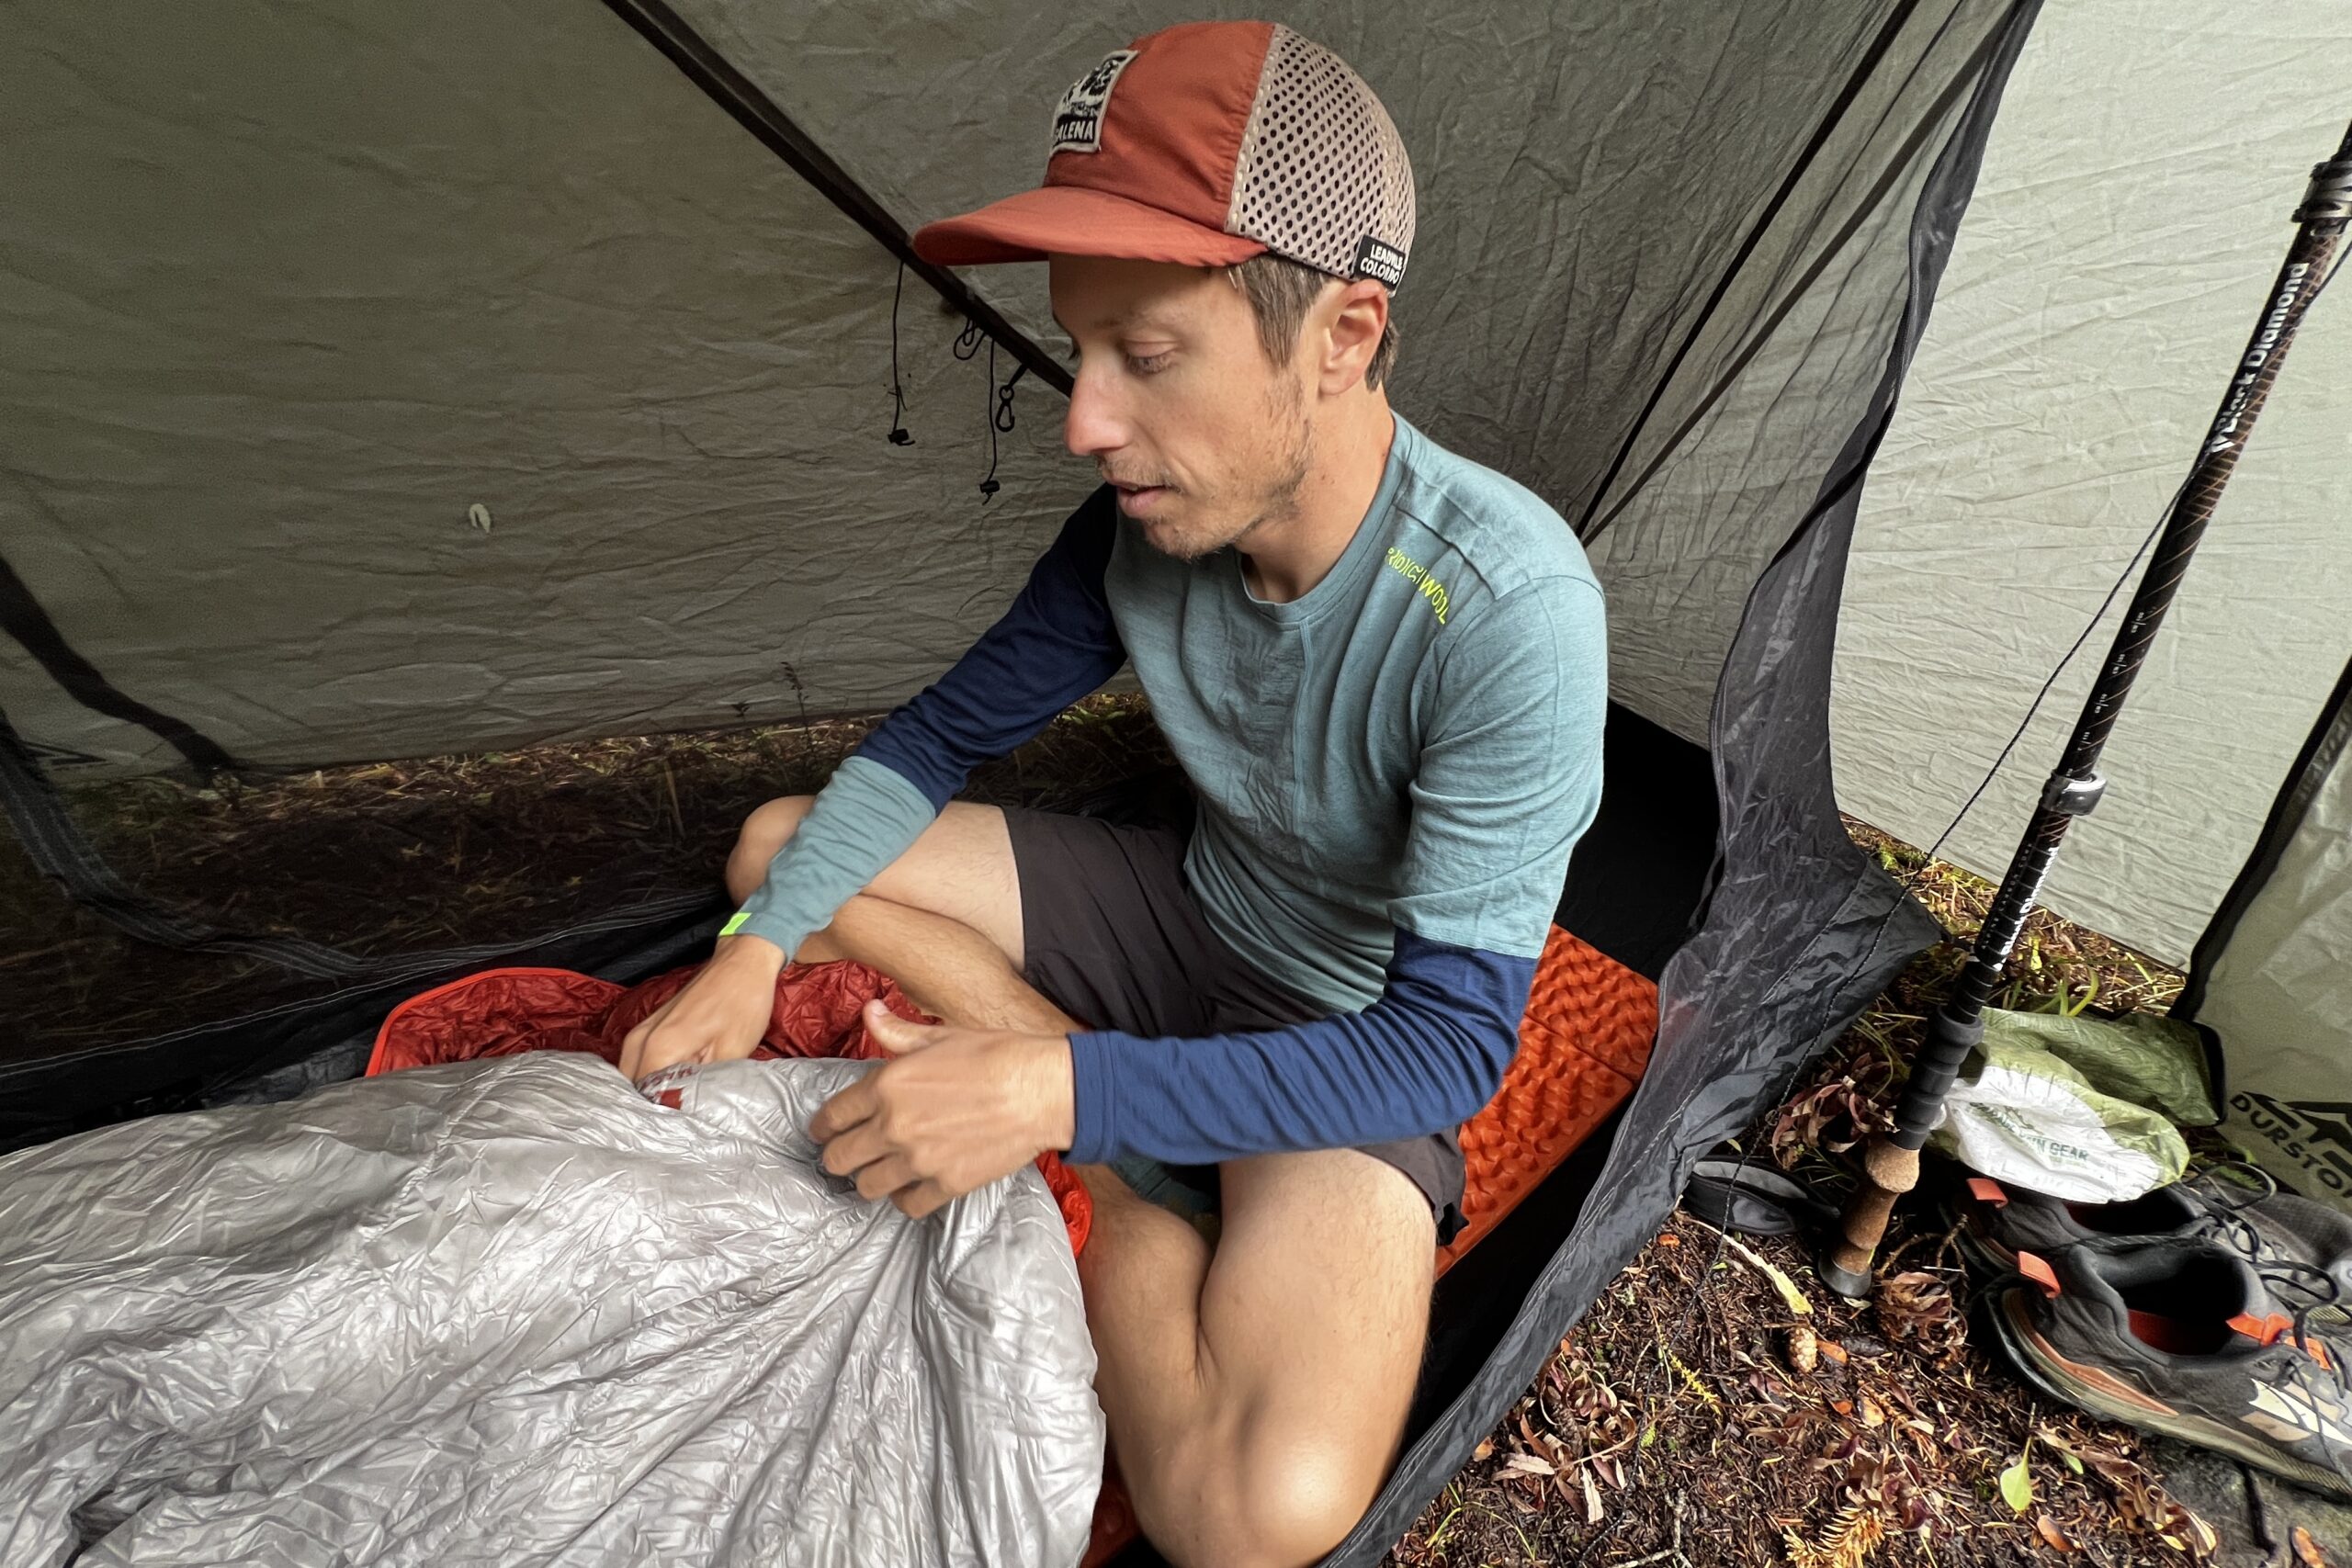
(2225,1218)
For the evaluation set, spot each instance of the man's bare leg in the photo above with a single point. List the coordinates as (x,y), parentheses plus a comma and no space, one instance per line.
(1255,1393)
(961,866)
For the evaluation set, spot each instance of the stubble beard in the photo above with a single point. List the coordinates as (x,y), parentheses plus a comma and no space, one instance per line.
(1277,500)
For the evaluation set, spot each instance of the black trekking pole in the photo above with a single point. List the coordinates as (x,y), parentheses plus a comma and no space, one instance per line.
(1890,1161)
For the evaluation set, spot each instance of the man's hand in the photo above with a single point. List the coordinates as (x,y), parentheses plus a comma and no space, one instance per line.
(954,1110)
(717,1017)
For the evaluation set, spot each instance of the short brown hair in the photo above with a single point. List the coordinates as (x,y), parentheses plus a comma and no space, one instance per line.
(1280,291)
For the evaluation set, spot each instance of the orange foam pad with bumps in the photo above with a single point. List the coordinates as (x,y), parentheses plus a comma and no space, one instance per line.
(1582,1047)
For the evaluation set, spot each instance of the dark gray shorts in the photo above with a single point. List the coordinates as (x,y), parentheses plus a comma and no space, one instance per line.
(1112,937)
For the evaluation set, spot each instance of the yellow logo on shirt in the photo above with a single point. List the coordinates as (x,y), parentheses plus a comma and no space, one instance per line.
(1431,589)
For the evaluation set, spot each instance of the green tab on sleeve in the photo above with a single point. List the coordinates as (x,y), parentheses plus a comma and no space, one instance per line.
(736,924)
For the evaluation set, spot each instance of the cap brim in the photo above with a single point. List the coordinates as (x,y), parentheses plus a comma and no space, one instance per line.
(1075,220)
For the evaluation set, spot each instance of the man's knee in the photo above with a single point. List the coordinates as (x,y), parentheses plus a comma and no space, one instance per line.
(762,834)
(1265,1501)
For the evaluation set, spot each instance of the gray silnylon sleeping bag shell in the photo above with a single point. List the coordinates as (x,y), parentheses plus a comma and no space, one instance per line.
(509,1313)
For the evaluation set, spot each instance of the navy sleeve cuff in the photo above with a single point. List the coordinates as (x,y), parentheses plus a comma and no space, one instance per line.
(1426,1056)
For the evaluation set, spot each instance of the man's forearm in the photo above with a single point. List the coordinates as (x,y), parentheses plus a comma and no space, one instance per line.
(863,819)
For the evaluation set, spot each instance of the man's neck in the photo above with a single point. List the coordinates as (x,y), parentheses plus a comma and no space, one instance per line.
(1286,558)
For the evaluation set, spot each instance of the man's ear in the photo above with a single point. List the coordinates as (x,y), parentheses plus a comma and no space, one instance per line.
(1358,315)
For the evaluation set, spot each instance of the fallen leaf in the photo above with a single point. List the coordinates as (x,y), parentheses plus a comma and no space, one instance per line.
(1796,1300)
(1527,1464)
(2307,1550)
(2017,1483)
(1485,1448)
(1834,1351)
(1871,1414)
(2050,1532)
(1843,1406)
(1669,1240)
(1593,1509)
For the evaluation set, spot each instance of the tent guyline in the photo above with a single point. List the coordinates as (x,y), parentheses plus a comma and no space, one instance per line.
(760,115)
(999,412)
(966,346)
(1890,1161)
(779,133)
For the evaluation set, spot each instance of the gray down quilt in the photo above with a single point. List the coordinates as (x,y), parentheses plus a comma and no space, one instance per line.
(508,1313)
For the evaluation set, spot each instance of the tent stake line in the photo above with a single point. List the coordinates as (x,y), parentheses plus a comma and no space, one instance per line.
(1890,1161)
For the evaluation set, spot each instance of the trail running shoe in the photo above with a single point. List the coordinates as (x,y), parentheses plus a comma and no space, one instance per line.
(2301,1247)
(2181,1337)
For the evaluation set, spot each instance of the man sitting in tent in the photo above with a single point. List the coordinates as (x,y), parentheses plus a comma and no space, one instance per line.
(1381,666)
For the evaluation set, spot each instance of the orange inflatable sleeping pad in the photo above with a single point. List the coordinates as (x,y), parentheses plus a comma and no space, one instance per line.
(1582,1047)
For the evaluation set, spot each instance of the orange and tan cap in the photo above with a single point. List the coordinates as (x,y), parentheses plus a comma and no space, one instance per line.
(1204,144)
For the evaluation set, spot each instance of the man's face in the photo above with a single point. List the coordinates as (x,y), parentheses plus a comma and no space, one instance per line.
(1174,393)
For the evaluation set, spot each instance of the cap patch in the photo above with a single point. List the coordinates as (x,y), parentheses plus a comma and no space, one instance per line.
(1078,118)
(1377,258)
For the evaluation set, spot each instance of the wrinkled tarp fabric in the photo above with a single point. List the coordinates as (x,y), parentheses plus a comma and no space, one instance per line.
(2279,995)
(509,1313)
(2119,245)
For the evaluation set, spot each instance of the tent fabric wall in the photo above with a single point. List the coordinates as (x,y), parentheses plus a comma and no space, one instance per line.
(2274,975)
(1772,186)
(288,289)
(2114,260)
(547,276)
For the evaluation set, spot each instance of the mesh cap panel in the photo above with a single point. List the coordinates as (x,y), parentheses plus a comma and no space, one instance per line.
(1322,168)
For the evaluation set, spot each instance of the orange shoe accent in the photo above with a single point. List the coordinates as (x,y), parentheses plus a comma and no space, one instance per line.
(2264,1330)
(2098,1378)
(2040,1272)
(2276,1326)
(1987,1191)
